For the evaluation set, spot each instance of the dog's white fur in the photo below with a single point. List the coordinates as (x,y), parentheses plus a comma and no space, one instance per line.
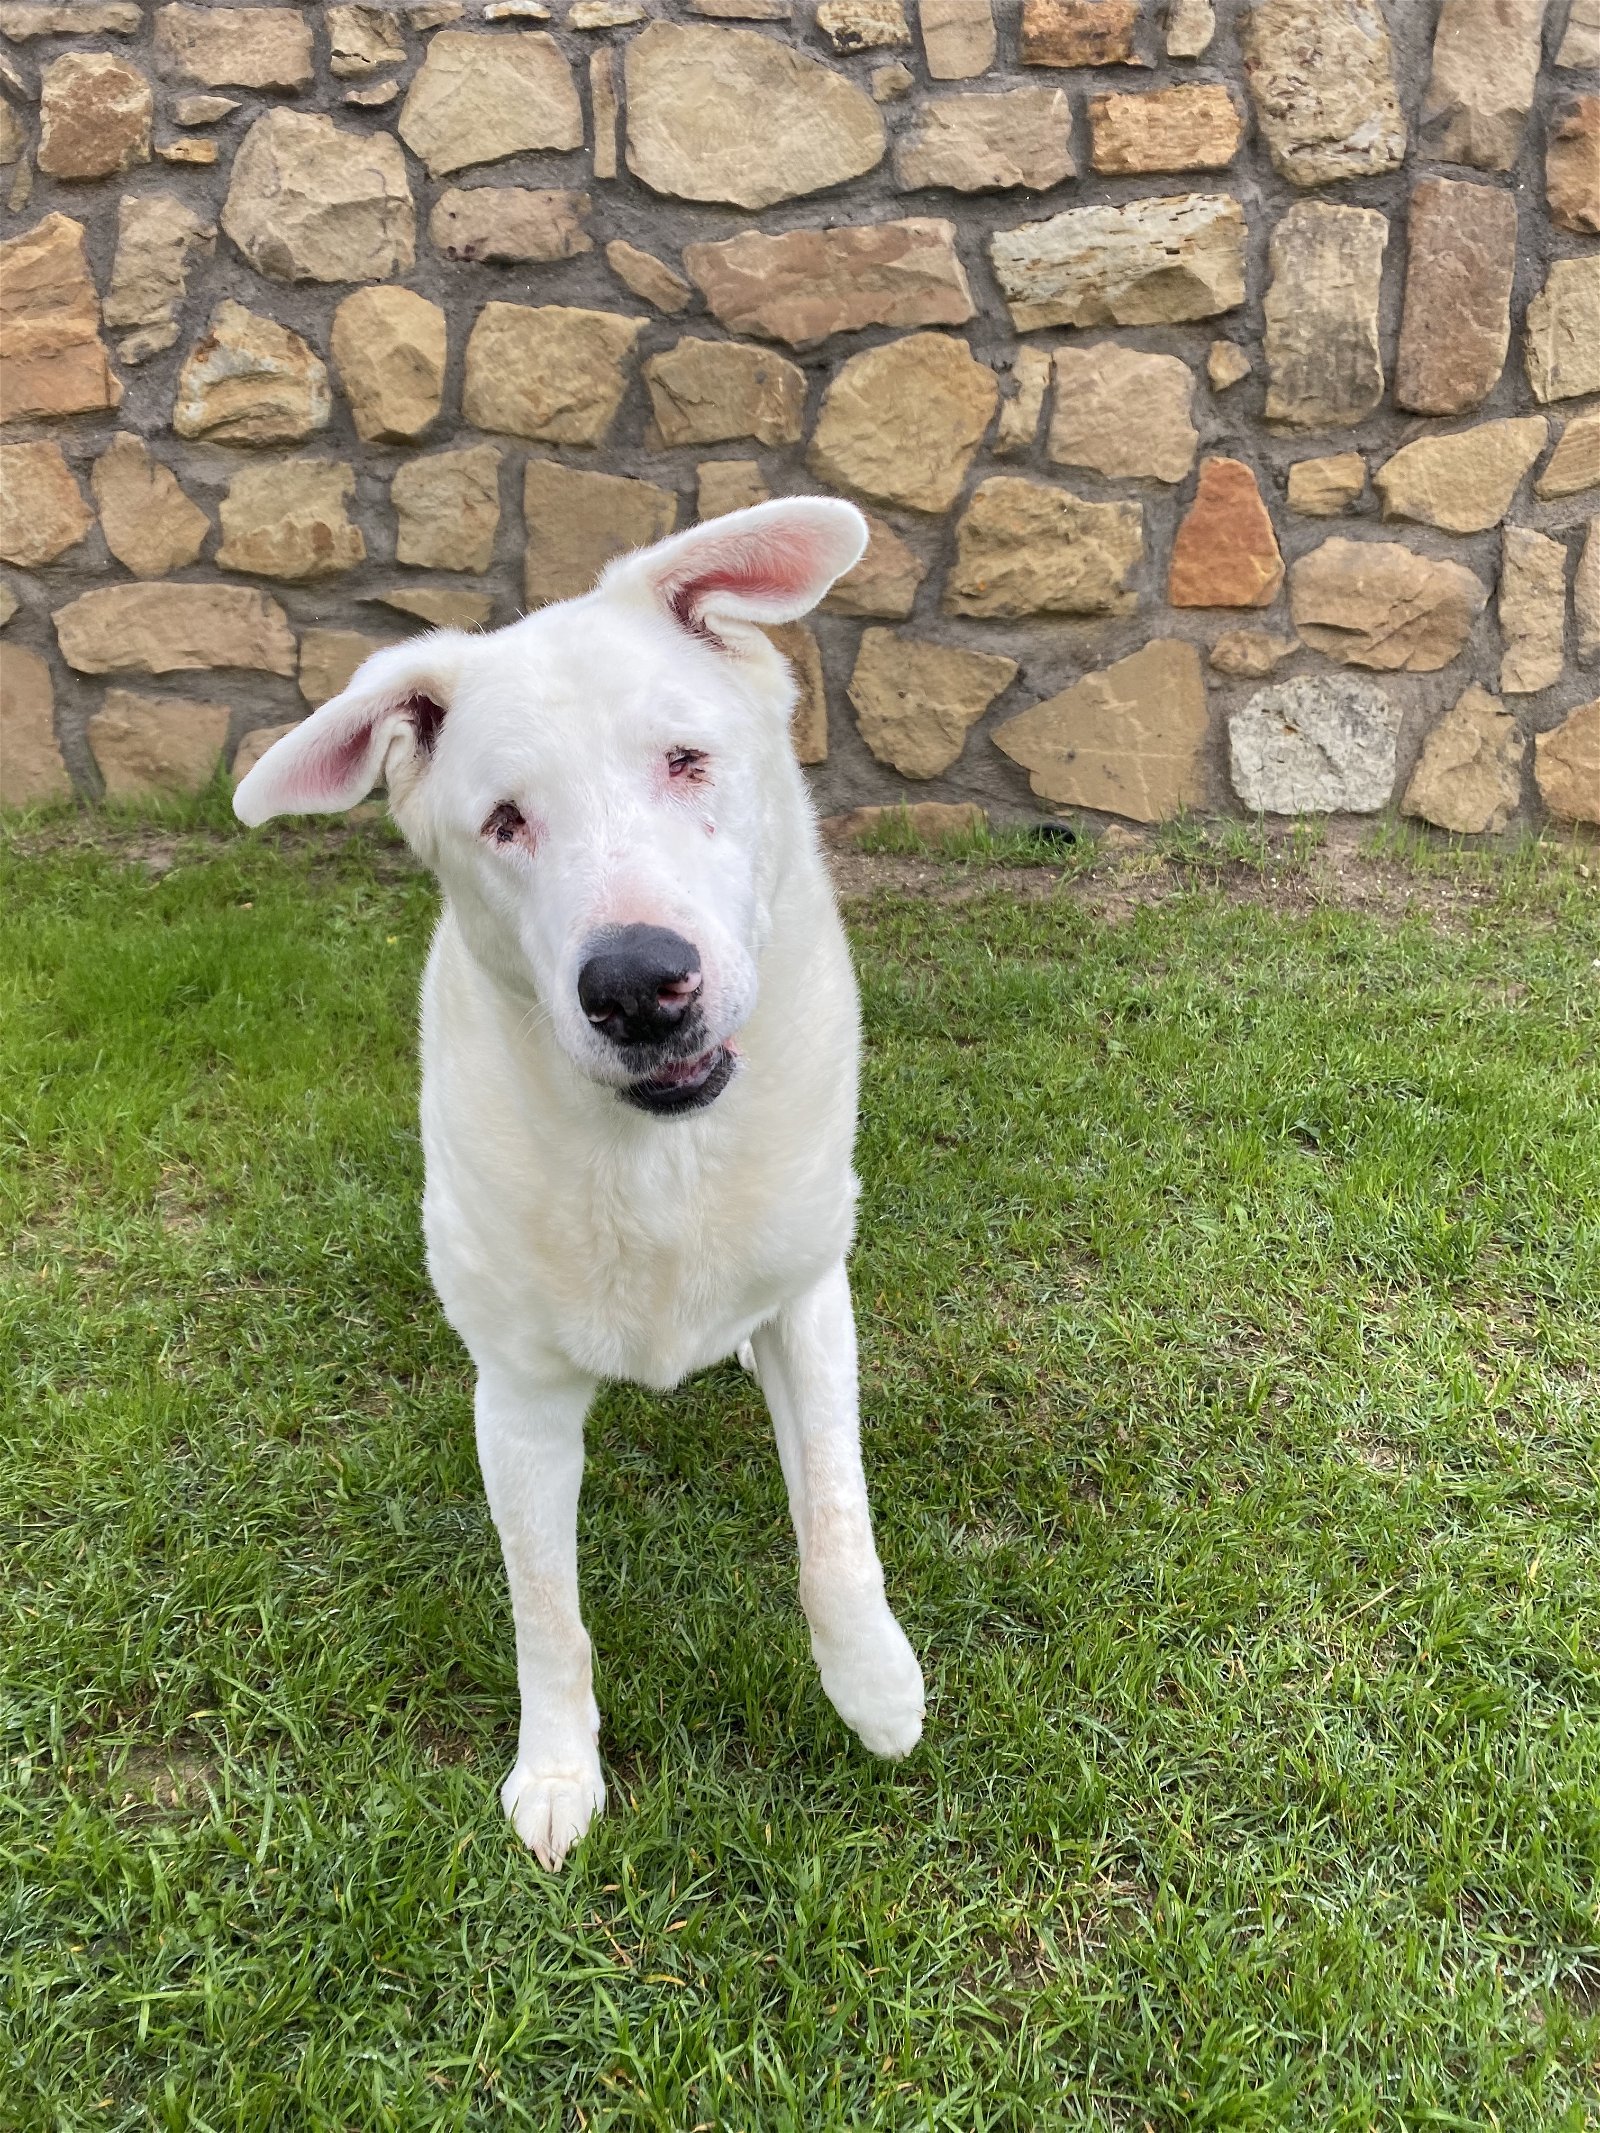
(572,1237)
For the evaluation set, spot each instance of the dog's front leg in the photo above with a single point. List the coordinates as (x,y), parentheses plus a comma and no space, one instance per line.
(530,1446)
(806,1361)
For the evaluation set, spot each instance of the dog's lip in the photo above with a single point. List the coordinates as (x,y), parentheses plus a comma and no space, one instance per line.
(685,1084)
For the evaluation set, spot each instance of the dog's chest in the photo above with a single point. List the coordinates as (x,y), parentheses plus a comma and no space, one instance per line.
(646,1259)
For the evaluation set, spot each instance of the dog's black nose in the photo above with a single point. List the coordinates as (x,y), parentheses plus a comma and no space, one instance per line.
(640,985)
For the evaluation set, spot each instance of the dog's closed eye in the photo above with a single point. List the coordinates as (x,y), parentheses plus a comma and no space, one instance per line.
(504,823)
(688,765)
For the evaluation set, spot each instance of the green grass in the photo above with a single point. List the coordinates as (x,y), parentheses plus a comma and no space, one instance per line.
(1229,1285)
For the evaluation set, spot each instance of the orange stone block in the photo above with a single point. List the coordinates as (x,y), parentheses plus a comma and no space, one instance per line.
(1226,553)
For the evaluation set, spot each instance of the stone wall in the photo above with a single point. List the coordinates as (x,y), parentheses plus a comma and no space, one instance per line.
(1222,380)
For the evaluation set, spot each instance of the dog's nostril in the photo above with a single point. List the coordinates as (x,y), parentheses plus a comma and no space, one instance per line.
(640,985)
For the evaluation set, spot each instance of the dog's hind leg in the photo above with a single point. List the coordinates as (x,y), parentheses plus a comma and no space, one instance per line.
(806,1361)
(530,1447)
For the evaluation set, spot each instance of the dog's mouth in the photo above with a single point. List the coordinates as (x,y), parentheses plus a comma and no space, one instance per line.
(684,1084)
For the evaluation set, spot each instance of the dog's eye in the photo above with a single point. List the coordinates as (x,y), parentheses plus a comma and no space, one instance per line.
(687,763)
(504,822)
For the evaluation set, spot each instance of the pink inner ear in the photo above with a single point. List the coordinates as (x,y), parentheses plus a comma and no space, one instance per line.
(688,600)
(332,771)
(778,567)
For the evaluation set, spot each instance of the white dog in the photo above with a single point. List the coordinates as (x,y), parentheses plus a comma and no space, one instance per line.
(639,1050)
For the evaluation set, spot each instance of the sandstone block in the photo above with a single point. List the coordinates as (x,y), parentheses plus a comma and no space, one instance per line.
(1127,740)
(1378,604)
(195,153)
(309,203)
(363,39)
(479,97)
(329,660)
(1191,25)
(13,136)
(915,703)
(1080,33)
(806,284)
(1321,744)
(1533,611)
(1226,553)
(709,392)
(1469,778)
(255,745)
(1226,364)
(900,423)
(251,381)
(172,629)
(1321,74)
(578,522)
(501,224)
(389,348)
(95,113)
(1325,488)
(1324,365)
(1485,65)
(987,143)
(1563,331)
(158,236)
(603,14)
(892,82)
(931,821)
(286,518)
(1586,593)
(441,607)
(149,523)
(1193,127)
(733,116)
(603,103)
(958,37)
(1019,416)
(724,485)
(146,745)
(553,372)
(1566,766)
(1024,548)
(1572,165)
(234,47)
(1463,482)
(1580,41)
(1140,263)
(885,581)
(32,773)
(52,360)
(1123,413)
(1461,249)
(447,507)
(42,510)
(9,603)
(21,19)
(863,25)
(648,278)
(1250,654)
(808,722)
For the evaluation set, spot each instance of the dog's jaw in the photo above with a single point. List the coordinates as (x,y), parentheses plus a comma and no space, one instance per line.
(686,1085)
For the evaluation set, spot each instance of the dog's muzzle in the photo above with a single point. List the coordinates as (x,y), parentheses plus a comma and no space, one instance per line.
(640,988)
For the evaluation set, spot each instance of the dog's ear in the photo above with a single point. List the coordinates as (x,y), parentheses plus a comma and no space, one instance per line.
(392,709)
(771,563)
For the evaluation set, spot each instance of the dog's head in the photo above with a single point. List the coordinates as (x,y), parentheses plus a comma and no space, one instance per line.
(596,788)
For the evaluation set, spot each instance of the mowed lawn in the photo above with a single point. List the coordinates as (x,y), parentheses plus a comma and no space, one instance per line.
(1229,1287)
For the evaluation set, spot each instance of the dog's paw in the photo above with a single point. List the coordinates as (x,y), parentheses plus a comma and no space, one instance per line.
(550,1809)
(874,1683)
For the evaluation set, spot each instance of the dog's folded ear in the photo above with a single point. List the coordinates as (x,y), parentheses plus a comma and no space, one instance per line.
(771,563)
(389,714)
